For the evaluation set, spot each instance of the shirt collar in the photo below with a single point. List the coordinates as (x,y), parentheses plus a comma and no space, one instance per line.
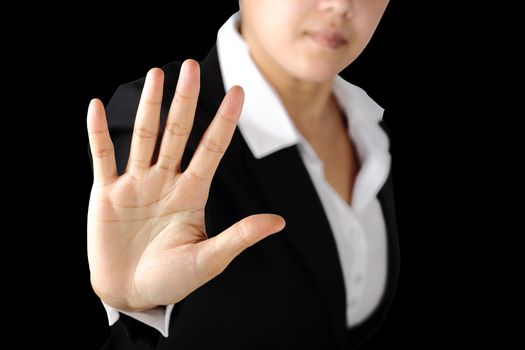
(267,127)
(263,122)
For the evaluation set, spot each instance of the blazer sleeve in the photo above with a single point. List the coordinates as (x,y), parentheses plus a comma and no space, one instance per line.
(128,333)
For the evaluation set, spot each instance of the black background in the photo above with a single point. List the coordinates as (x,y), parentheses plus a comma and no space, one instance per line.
(69,59)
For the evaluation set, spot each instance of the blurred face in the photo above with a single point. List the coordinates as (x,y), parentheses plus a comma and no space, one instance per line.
(312,40)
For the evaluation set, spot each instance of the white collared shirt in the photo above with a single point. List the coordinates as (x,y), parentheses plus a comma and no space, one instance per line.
(359,229)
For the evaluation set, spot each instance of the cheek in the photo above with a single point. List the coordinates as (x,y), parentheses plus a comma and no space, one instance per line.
(371,16)
(365,28)
(281,23)
(280,38)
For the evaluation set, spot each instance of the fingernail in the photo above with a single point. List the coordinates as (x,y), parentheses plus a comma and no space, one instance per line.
(91,105)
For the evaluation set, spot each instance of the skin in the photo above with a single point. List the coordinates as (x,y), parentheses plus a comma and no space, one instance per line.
(299,68)
(147,244)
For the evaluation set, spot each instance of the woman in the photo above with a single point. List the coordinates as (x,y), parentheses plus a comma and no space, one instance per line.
(168,215)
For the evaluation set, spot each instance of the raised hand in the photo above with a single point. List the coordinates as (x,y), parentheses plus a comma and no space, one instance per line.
(147,244)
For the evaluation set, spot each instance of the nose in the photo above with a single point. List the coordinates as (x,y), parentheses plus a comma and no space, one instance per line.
(343,8)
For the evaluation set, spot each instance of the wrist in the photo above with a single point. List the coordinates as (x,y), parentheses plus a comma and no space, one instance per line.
(125,304)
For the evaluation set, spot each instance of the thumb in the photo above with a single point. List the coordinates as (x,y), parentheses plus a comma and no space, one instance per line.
(217,252)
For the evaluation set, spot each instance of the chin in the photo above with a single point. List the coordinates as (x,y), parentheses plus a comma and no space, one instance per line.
(316,73)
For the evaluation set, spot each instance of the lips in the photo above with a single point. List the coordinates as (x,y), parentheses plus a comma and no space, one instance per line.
(333,40)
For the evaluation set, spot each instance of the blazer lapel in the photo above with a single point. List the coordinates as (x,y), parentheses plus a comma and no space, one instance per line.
(386,199)
(287,188)
(289,192)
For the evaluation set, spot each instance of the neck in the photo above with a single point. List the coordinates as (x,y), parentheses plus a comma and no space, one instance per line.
(307,103)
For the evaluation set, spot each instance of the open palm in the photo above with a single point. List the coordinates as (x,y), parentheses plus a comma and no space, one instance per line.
(147,244)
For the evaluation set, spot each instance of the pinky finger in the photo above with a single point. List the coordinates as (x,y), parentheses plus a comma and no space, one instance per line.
(104,166)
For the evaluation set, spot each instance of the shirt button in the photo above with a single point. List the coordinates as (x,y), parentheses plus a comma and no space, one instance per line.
(358,278)
(353,302)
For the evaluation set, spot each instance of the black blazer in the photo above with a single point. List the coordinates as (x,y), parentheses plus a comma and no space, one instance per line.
(285,292)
